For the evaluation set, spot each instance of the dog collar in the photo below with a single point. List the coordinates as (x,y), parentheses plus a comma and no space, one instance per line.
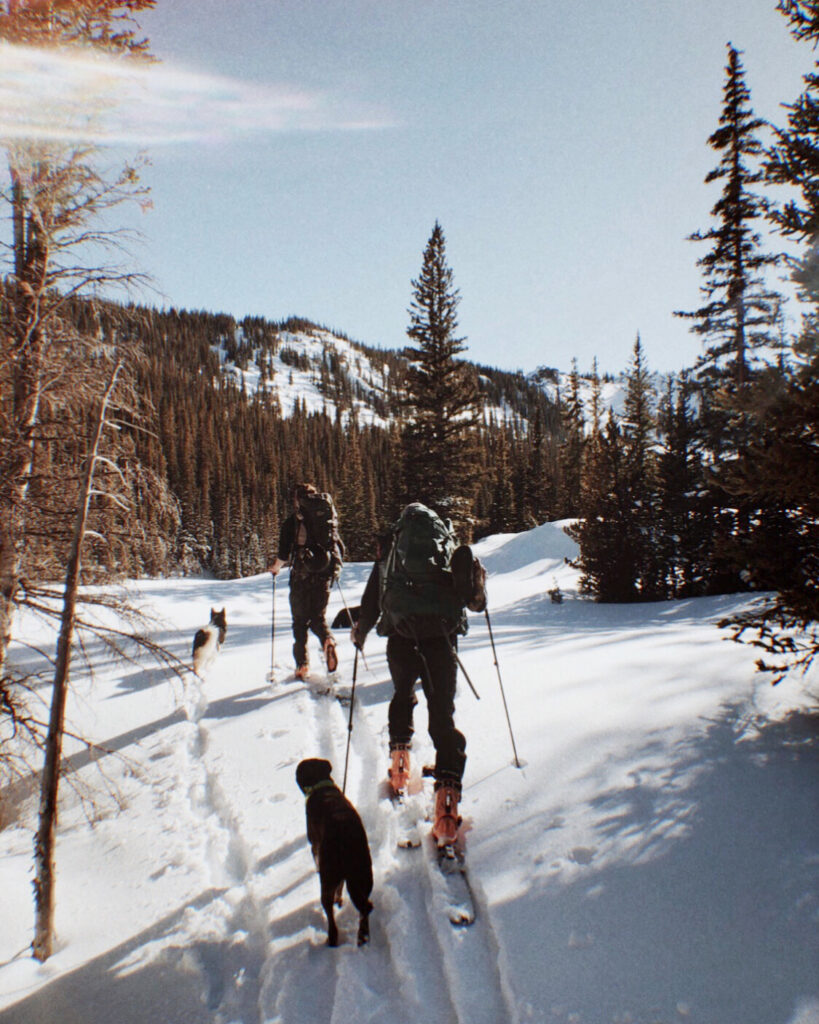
(319,785)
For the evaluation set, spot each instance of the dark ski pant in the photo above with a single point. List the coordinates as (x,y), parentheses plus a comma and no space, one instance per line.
(432,662)
(309,595)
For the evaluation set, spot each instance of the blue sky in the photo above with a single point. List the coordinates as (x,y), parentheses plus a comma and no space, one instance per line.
(310,146)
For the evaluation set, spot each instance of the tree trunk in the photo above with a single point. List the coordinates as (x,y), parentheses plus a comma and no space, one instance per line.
(27,351)
(42,945)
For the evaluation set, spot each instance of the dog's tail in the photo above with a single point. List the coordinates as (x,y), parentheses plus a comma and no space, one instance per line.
(199,640)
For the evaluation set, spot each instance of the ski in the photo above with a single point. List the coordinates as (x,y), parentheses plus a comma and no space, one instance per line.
(324,686)
(459,899)
(447,863)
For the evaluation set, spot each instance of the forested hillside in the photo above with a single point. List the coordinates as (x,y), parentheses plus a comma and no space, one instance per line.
(237,412)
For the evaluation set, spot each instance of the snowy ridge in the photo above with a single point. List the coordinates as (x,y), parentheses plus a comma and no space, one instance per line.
(295,371)
(652,862)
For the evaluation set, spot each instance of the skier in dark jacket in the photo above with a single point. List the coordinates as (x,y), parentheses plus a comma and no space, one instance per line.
(432,661)
(312,574)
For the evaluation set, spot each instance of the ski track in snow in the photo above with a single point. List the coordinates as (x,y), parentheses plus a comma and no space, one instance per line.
(462,982)
(286,974)
(230,949)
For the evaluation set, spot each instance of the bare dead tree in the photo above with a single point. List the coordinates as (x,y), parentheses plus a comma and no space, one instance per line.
(59,198)
(105,481)
(62,386)
(44,841)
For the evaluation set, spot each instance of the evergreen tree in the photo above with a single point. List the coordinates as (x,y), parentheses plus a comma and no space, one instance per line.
(780,465)
(737,322)
(619,536)
(780,469)
(793,160)
(439,440)
(608,559)
(538,476)
(502,517)
(572,445)
(639,482)
(685,544)
(739,312)
(354,501)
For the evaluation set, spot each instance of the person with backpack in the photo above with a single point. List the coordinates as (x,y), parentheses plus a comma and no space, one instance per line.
(416,596)
(309,541)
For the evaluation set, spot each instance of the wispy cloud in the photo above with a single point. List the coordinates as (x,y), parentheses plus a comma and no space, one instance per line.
(54,95)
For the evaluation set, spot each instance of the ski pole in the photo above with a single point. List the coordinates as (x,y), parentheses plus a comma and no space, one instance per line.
(466,675)
(272,676)
(350,722)
(350,620)
(500,681)
(454,650)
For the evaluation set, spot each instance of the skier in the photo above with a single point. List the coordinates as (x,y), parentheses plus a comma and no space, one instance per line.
(416,594)
(310,543)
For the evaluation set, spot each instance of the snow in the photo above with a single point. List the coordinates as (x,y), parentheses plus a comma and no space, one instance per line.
(291,384)
(653,860)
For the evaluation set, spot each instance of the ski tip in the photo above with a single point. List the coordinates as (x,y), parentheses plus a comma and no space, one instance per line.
(447,854)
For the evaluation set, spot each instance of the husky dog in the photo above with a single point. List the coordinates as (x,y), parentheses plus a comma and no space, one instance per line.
(339,843)
(208,640)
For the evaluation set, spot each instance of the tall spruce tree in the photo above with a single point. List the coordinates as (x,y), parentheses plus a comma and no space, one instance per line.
(739,313)
(738,323)
(439,440)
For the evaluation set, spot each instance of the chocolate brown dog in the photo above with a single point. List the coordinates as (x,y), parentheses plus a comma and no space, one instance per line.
(339,844)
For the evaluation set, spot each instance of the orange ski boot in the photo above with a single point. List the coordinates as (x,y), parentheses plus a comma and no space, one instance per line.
(303,670)
(399,769)
(445,816)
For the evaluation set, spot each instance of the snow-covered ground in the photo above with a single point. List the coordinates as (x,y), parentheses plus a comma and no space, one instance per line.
(291,384)
(653,860)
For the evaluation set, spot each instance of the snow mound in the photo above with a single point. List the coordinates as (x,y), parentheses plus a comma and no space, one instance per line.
(508,552)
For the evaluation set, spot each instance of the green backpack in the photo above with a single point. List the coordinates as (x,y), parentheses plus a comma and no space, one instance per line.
(418,597)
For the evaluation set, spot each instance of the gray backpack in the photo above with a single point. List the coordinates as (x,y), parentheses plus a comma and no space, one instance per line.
(418,594)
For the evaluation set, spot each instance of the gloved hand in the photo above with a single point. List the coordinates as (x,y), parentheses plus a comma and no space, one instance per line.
(357,639)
